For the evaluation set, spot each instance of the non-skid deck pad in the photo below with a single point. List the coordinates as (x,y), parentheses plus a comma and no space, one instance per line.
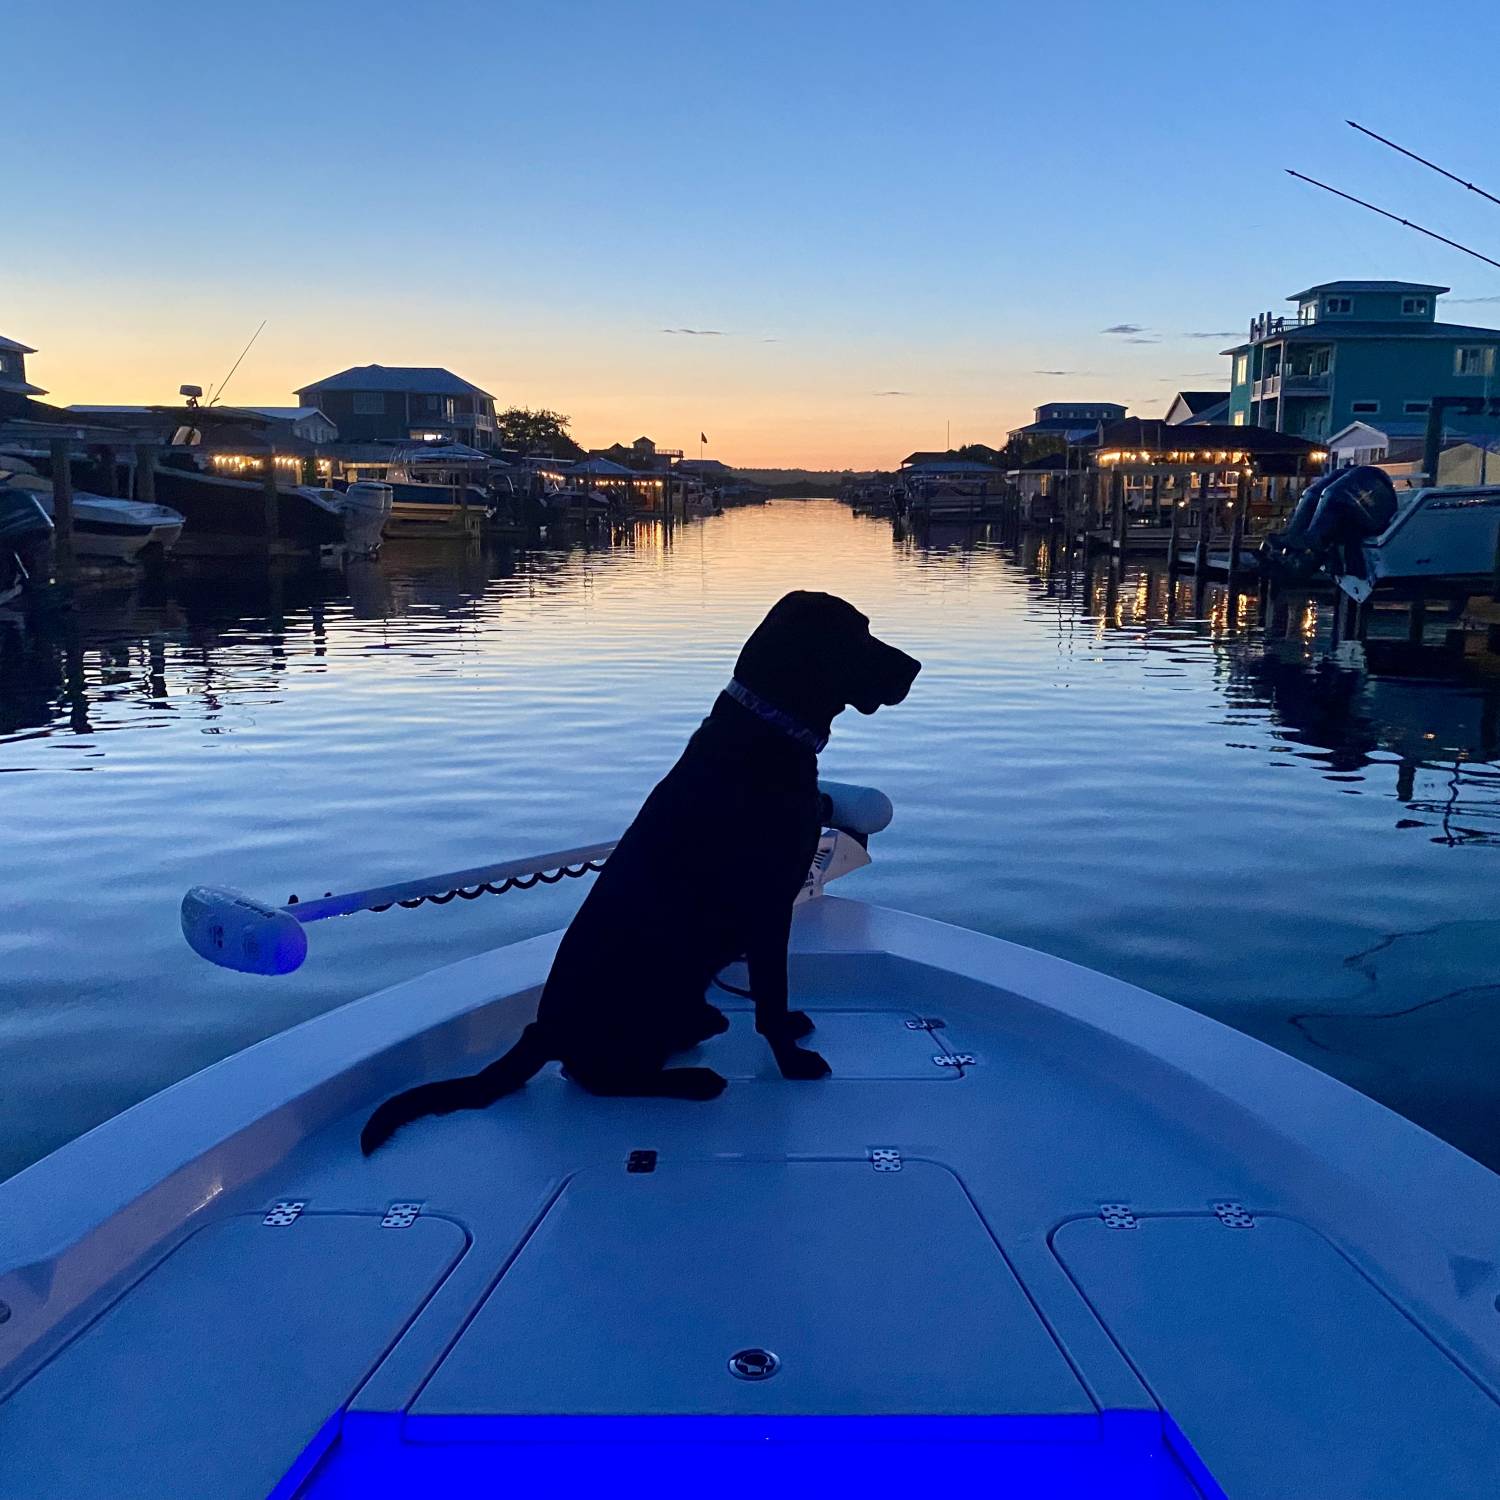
(216,1371)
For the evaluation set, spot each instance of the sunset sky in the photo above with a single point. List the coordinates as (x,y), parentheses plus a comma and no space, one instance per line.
(818,232)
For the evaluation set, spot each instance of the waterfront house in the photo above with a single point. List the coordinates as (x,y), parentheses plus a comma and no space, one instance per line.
(306,422)
(13,380)
(1370,443)
(1068,420)
(404,403)
(1197,408)
(1355,350)
(1059,423)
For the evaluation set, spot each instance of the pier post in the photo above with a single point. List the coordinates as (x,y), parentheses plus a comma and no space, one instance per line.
(145,473)
(272,518)
(1117,512)
(62,509)
(1174,541)
(1416,624)
(1236,537)
(109,478)
(1205,520)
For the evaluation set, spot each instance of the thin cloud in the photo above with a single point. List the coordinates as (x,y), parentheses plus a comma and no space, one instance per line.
(1474,299)
(1124,328)
(1231,333)
(701,333)
(893,393)
(1058,372)
(1143,341)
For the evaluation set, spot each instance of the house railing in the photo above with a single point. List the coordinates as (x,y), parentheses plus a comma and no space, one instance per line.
(1307,383)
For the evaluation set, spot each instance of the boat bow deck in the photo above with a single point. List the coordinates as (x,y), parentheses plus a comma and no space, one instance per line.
(989,1241)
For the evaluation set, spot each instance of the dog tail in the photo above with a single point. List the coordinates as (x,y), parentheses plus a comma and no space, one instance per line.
(523,1062)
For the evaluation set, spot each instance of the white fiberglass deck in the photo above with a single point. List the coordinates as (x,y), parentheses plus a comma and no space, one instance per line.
(1041,1232)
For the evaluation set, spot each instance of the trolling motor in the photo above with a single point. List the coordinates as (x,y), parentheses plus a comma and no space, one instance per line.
(1335,516)
(236,931)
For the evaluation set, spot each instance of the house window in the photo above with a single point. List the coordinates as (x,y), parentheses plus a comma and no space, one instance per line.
(1368,408)
(1336,305)
(369,404)
(1474,359)
(1417,408)
(1237,420)
(8,363)
(1241,368)
(1413,307)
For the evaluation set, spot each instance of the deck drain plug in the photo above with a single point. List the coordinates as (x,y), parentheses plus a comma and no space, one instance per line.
(753,1364)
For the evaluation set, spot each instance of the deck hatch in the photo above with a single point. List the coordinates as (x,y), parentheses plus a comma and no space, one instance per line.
(217,1370)
(1288,1371)
(635,1292)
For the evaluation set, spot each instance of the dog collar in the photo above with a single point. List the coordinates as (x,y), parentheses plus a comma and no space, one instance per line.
(775,716)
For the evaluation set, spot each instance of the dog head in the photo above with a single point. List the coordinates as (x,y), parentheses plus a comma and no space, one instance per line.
(813,656)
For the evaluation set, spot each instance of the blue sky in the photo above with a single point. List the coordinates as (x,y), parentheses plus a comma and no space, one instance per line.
(856,199)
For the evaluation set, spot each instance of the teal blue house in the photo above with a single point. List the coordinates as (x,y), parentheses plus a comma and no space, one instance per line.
(1358,351)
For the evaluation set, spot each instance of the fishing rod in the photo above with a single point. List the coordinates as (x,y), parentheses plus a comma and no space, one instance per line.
(235,366)
(1386,213)
(1442,171)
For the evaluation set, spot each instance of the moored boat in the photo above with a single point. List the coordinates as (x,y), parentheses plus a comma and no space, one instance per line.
(104,526)
(25,544)
(1042,1233)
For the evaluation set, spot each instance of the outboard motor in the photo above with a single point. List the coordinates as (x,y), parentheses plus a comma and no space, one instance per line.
(366,507)
(1359,504)
(25,542)
(1335,516)
(1285,551)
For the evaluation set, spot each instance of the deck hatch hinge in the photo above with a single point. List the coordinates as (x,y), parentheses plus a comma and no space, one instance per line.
(885,1159)
(926,1023)
(284,1211)
(1118,1216)
(401,1216)
(641,1161)
(1234,1215)
(953,1059)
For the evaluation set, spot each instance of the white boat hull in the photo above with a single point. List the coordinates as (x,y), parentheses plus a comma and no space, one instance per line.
(1447,534)
(1041,1233)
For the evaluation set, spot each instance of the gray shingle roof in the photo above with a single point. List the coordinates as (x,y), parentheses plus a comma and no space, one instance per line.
(1368,286)
(421,380)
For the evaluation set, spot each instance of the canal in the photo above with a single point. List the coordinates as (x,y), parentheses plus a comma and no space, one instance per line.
(1300,840)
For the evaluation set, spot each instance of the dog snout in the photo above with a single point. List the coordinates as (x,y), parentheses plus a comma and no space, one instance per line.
(895,673)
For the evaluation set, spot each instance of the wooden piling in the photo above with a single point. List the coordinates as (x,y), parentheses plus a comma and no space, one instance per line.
(272,510)
(145,473)
(1200,554)
(1237,534)
(62,509)
(1117,515)
(1174,541)
(1416,623)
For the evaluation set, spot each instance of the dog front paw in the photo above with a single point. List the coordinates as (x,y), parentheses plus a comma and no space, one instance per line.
(799,1024)
(798,1063)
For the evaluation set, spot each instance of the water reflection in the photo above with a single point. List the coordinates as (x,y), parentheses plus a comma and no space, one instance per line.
(1154,776)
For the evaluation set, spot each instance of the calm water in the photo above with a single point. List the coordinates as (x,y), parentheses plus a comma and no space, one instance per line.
(1300,841)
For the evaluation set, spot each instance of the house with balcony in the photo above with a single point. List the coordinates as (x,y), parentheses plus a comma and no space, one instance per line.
(13,381)
(404,403)
(1353,351)
(1069,420)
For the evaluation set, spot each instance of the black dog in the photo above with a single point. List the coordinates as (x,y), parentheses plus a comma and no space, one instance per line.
(627,988)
